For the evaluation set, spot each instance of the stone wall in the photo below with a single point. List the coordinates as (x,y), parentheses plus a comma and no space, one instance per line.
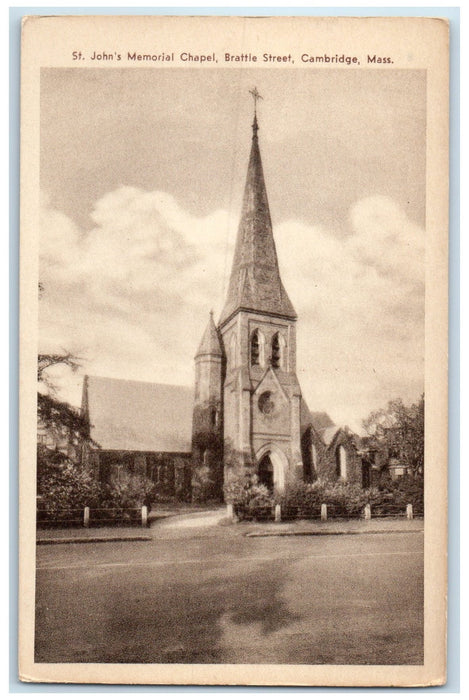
(170,472)
(322,461)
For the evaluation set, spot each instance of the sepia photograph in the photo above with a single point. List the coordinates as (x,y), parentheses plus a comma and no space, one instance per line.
(232,295)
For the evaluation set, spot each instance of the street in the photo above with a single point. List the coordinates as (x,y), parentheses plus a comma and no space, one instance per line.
(212,595)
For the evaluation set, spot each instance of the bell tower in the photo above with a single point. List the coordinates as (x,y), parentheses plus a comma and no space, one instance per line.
(261,393)
(207,423)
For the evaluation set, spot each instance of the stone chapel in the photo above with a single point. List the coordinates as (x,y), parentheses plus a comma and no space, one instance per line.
(246,414)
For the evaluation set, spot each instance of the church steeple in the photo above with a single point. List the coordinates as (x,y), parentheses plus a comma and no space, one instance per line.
(255,283)
(210,343)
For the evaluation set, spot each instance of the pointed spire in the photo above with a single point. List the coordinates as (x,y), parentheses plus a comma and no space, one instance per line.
(255,282)
(210,343)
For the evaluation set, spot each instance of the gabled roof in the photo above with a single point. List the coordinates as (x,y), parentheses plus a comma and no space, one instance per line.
(329,433)
(255,282)
(138,416)
(319,420)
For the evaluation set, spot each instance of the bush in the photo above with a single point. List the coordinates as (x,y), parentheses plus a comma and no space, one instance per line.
(302,498)
(205,488)
(345,499)
(248,496)
(127,491)
(251,499)
(63,485)
(408,489)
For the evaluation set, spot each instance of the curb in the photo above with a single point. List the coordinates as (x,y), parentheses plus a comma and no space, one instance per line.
(84,540)
(322,533)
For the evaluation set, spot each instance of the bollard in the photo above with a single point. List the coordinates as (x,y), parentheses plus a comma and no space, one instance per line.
(278,513)
(86,517)
(323,511)
(367,512)
(229,511)
(144,516)
(410,512)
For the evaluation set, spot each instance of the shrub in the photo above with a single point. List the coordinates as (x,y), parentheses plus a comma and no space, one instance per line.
(204,486)
(346,499)
(127,491)
(63,485)
(408,489)
(248,496)
(303,495)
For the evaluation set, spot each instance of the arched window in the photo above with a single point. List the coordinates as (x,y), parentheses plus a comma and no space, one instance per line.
(276,353)
(255,348)
(283,355)
(314,456)
(341,462)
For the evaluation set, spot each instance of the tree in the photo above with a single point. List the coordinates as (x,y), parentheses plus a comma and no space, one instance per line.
(62,482)
(59,419)
(400,429)
(46,361)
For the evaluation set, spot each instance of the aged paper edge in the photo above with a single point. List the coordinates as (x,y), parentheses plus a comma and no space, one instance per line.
(429,39)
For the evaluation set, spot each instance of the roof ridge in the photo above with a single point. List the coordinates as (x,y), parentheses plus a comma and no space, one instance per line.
(138,381)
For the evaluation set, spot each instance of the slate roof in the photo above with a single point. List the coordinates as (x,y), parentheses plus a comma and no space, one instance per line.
(322,421)
(210,343)
(255,282)
(138,416)
(319,420)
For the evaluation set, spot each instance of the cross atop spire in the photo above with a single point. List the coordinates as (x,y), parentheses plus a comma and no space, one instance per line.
(256,96)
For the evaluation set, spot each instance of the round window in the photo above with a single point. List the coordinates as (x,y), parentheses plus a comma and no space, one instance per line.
(266,403)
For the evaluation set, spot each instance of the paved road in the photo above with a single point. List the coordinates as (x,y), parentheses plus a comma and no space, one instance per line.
(209,595)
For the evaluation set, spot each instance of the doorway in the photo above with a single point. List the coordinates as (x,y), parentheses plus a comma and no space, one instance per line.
(366,474)
(266,472)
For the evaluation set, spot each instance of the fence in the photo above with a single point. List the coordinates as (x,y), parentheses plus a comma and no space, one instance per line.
(92,517)
(323,512)
(60,518)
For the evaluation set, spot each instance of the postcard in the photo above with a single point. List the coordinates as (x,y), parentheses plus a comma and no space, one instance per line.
(233,350)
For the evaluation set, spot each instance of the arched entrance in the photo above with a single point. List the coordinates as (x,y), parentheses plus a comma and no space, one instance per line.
(272,467)
(265,472)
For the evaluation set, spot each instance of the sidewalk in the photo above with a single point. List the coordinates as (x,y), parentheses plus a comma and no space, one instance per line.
(333,527)
(71,535)
(177,518)
(213,523)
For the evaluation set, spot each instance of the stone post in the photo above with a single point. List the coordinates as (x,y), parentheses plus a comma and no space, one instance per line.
(86,517)
(323,511)
(278,513)
(229,511)
(367,512)
(144,516)
(409,512)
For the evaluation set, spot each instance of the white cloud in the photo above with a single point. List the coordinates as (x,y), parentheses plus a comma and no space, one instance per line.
(132,295)
(360,303)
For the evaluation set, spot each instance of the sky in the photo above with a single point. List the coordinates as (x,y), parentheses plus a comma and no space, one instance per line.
(142,176)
